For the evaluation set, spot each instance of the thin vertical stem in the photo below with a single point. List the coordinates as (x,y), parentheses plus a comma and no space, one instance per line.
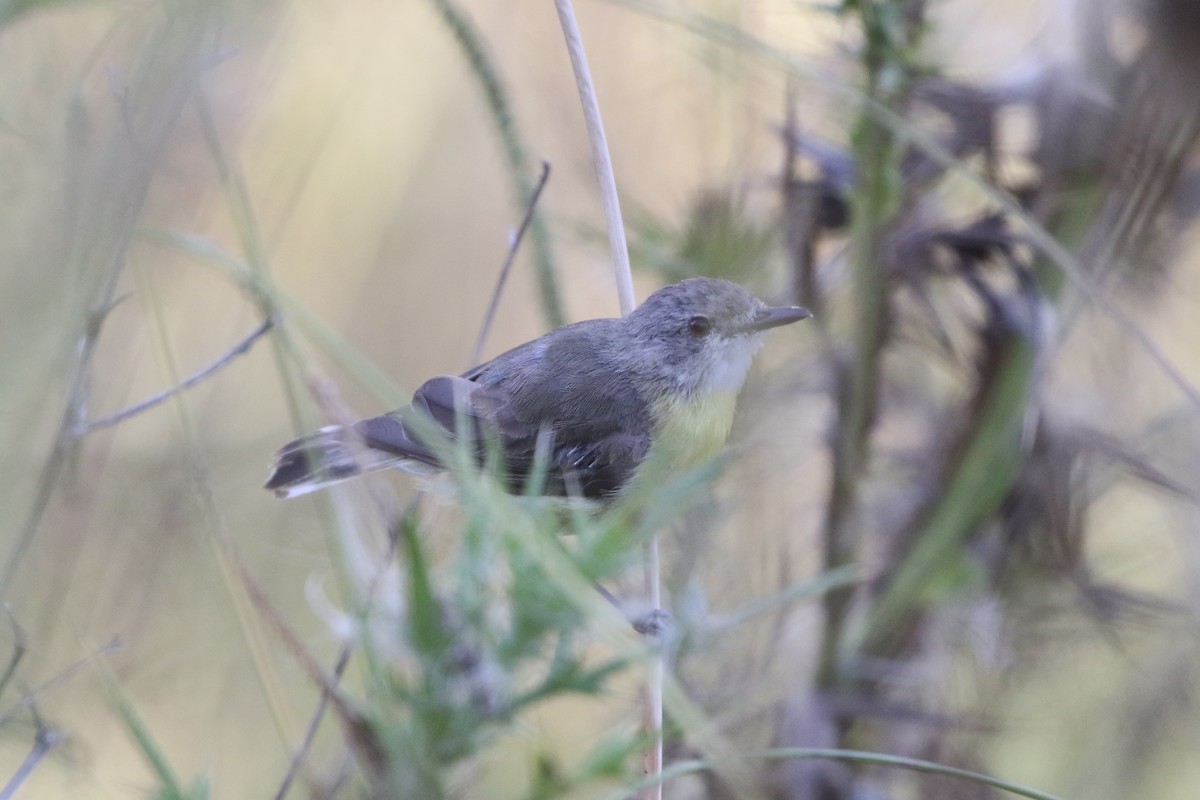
(624,280)
(603,162)
(874,203)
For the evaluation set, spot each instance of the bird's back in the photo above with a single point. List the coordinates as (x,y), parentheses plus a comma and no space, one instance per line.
(573,384)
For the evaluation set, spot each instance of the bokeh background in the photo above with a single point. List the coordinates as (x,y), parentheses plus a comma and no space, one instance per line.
(170,170)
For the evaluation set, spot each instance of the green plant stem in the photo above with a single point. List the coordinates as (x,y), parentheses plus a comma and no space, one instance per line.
(169,784)
(857,397)
(873,206)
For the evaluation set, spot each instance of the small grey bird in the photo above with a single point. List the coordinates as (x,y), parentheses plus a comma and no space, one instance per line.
(599,399)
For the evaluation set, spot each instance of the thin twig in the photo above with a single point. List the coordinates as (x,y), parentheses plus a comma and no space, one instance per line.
(43,741)
(84,428)
(358,731)
(110,202)
(19,647)
(339,668)
(652,573)
(29,697)
(506,267)
(488,76)
(314,724)
(603,162)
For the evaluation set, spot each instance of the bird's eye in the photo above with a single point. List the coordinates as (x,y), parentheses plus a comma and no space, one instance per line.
(699,326)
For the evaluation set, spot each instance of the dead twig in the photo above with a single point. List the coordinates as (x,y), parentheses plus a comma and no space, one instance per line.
(357,726)
(343,659)
(29,697)
(314,724)
(43,741)
(506,267)
(19,647)
(84,428)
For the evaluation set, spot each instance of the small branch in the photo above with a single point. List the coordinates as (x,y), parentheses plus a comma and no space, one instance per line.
(654,682)
(488,78)
(358,731)
(506,267)
(343,660)
(19,647)
(43,741)
(84,428)
(30,697)
(314,724)
(604,168)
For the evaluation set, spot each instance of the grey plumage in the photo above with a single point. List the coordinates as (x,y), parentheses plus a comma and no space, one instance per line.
(590,395)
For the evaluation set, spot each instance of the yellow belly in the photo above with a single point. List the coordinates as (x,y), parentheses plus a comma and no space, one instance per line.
(691,431)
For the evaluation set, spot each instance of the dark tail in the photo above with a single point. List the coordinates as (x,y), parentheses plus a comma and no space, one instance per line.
(324,458)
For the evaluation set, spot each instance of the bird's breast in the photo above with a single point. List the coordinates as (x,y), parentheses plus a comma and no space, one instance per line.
(691,430)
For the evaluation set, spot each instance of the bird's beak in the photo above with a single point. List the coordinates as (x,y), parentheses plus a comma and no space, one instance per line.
(767,318)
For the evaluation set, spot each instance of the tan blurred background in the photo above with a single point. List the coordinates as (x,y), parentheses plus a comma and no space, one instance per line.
(380,194)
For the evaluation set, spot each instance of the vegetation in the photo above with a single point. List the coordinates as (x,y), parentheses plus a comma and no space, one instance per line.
(948,551)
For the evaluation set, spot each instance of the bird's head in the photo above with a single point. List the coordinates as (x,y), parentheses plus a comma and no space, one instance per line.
(701,334)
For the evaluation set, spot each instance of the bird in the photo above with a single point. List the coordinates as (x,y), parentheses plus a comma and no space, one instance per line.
(599,402)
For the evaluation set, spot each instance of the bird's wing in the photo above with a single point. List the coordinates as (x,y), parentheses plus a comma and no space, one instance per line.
(439,400)
(596,469)
(568,388)
(593,425)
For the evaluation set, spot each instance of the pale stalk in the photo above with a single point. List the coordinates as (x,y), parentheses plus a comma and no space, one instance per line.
(624,279)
